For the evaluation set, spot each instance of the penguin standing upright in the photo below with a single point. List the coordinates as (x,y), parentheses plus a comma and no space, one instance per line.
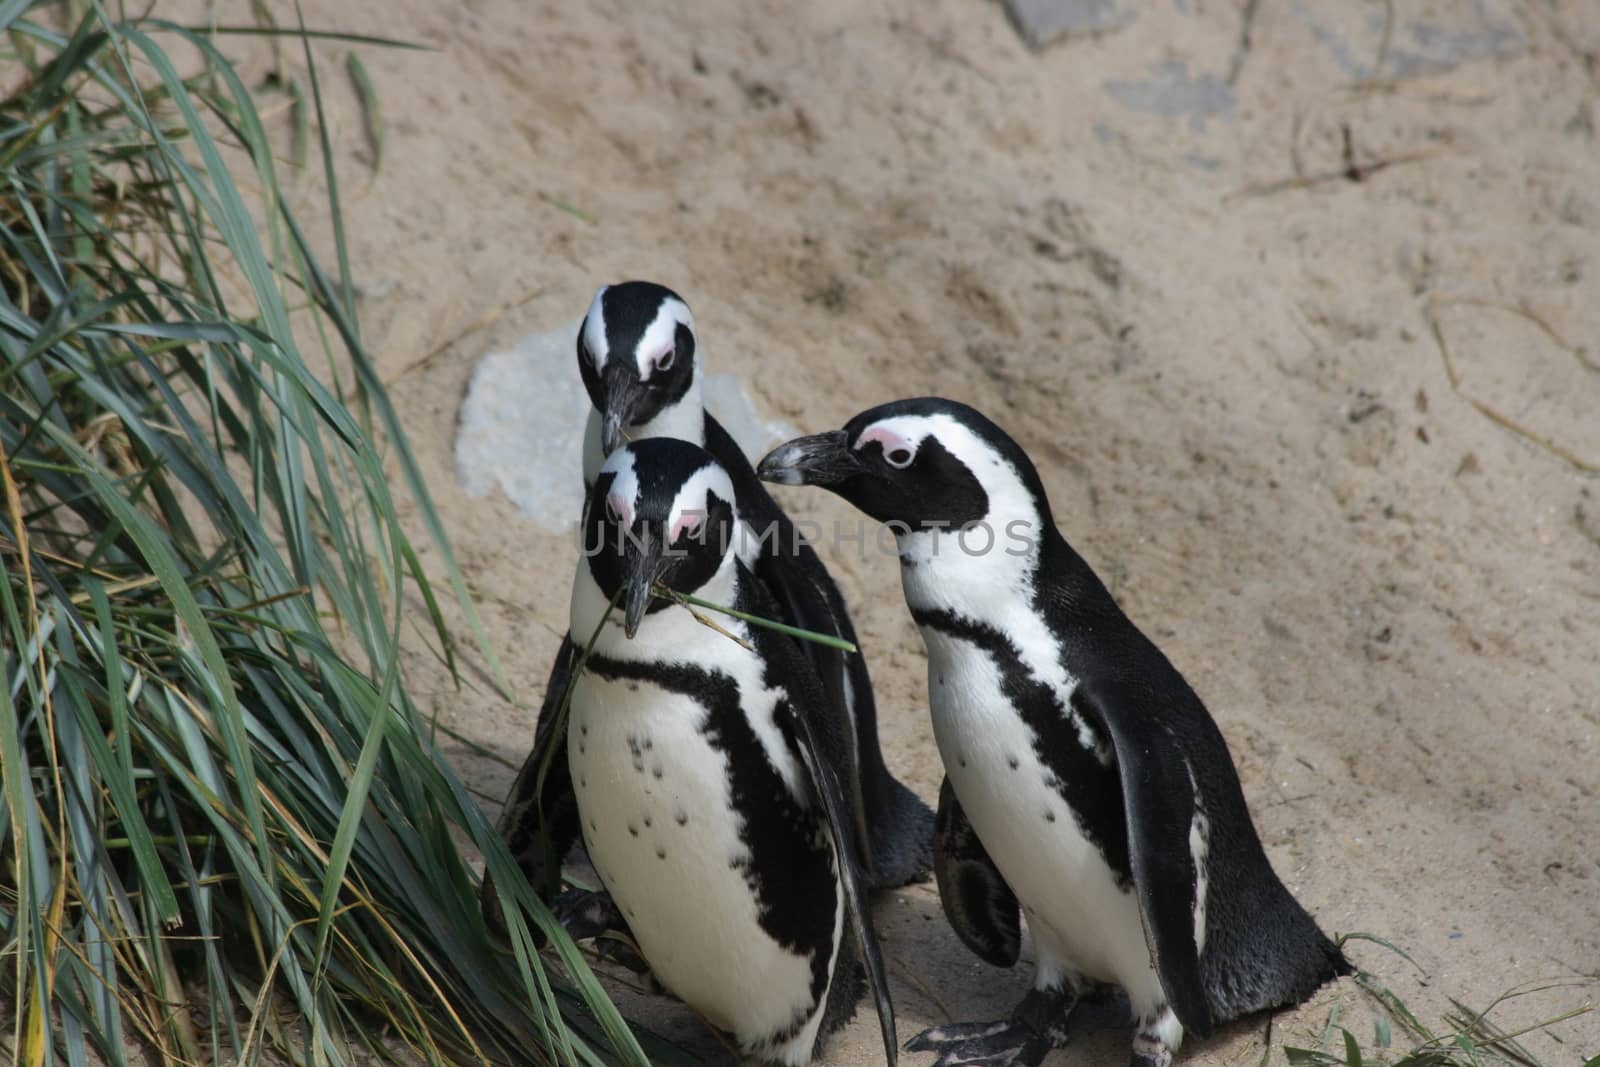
(638,356)
(703,760)
(1084,779)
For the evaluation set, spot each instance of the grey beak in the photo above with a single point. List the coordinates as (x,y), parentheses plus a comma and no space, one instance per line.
(823,459)
(645,570)
(623,394)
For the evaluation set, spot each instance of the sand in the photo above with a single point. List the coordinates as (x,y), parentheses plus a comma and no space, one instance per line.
(1303,347)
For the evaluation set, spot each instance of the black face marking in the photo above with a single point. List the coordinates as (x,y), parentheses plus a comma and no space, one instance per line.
(789,864)
(629,308)
(934,491)
(661,466)
(613,554)
(1049,816)
(1091,789)
(1012,761)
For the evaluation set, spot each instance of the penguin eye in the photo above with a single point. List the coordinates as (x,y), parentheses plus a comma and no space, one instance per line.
(664,361)
(899,458)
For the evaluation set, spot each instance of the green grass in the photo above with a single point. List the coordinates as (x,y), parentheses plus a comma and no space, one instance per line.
(1467,1038)
(224,826)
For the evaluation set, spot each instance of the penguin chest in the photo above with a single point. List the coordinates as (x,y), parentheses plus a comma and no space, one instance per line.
(666,835)
(1083,914)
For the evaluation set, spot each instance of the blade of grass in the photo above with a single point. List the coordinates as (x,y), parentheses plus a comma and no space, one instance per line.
(813,636)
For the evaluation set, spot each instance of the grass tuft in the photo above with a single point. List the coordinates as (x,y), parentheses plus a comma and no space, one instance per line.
(1468,1039)
(224,826)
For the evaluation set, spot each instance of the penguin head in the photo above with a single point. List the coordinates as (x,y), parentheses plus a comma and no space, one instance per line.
(921,464)
(636,354)
(660,513)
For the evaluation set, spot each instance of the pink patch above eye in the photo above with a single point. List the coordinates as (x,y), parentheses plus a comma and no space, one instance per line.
(690,522)
(619,508)
(890,440)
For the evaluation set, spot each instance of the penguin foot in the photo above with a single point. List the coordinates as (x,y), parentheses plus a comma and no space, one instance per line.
(1153,1044)
(1007,1043)
(1150,1057)
(1038,1025)
(587,914)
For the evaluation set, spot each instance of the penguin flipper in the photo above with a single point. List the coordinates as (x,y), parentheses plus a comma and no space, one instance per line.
(825,742)
(981,907)
(540,825)
(826,784)
(1159,799)
(802,604)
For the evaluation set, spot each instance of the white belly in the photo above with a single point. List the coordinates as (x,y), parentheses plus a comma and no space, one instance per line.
(662,834)
(1079,918)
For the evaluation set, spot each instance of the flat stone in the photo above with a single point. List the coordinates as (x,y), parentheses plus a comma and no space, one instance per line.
(1043,22)
(1446,35)
(520,428)
(1171,91)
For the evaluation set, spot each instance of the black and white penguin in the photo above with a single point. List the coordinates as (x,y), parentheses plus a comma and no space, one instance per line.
(703,763)
(1084,779)
(639,359)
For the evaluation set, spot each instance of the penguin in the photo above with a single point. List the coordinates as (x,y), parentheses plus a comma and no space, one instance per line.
(638,357)
(1086,785)
(704,767)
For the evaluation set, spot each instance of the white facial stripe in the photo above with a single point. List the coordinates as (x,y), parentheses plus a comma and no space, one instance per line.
(1008,495)
(892,441)
(624,492)
(689,506)
(660,336)
(594,329)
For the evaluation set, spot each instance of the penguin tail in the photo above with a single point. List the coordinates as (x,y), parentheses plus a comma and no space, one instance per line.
(900,828)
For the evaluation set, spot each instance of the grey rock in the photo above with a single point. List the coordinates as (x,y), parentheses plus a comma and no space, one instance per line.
(1170,91)
(520,428)
(1042,22)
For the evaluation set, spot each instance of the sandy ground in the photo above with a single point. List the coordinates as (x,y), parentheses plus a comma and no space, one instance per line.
(1261,314)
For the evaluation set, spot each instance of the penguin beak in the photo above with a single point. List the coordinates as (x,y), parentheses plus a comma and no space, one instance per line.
(623,393)
(644,569)
(823,459)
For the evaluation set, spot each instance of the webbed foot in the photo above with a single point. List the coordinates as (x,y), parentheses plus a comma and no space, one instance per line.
(590,914)
(1155,1041)
(1036,1026)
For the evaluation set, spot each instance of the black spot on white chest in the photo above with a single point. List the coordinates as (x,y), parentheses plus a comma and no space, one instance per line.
(690,815)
